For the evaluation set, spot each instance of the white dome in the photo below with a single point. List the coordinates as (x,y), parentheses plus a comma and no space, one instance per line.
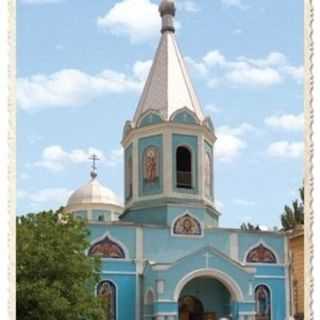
(93,193)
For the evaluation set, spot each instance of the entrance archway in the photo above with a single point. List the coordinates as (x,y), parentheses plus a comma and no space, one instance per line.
(215,290)
(204,298)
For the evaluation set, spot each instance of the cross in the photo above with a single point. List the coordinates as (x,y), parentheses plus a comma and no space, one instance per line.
(207,256)
(94,158)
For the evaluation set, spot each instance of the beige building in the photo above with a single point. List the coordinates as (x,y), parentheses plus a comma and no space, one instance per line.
(296,249)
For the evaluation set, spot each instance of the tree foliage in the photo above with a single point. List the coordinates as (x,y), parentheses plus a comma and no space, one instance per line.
(249,227)
(293,216)
(55,279)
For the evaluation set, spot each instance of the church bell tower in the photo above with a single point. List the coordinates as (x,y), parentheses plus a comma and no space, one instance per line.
(169,143)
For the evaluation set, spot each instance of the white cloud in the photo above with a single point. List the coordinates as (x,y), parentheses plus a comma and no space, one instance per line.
(286,121)
(195,67)
(138,19)
(74,88)
(244,203)
(230,141)
(46,196)
(243,71)
(296,73)
(141,69)
(55,158)
(234,3)
(214,58)
(188,6)
(250,76)
(285,149)
(212,108)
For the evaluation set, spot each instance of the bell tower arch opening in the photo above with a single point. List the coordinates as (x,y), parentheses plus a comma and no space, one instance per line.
(184,167)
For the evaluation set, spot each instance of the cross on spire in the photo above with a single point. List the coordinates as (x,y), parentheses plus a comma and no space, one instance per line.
(93,172)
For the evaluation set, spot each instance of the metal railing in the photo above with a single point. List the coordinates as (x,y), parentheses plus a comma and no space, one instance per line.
(184,179)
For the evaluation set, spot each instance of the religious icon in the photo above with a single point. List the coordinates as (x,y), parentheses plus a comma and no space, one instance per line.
(151,165)
(106,291)
(187,225)
(262,297)
(107,248)
(261,254)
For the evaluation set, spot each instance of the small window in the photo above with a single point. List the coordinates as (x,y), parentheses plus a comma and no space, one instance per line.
(183,168)
(101,218)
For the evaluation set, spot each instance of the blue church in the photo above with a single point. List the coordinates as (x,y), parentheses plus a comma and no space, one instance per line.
(164,255)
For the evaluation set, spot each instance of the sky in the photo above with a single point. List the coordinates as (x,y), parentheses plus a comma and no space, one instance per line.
(81,66)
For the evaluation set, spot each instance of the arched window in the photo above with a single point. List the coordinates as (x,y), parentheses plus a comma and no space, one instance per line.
(106,290)
(263,303)
(106,248)
(151,165)
(149,300)
(184,168)
(261,254)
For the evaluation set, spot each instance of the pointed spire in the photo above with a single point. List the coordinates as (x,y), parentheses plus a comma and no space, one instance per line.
(168,87)
(167,9)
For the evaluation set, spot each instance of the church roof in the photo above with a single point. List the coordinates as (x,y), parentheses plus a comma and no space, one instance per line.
(93,193)
(168,87)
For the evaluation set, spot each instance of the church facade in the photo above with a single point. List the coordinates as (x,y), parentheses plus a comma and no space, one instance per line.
(164,256)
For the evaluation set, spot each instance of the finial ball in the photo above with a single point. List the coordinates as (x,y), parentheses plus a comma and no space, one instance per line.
(167,7)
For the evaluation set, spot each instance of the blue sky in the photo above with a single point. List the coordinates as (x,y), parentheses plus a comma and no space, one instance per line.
(81,68)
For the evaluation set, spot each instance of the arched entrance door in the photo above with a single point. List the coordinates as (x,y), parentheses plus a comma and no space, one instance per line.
(190,308)
(204,298)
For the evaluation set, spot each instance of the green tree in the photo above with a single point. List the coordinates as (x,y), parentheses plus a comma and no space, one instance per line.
(55,279)
(293,216)
(249,227)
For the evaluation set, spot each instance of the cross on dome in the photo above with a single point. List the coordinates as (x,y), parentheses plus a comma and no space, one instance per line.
(93,172)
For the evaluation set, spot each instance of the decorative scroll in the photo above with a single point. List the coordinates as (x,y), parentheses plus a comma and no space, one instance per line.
(187,225)
(107,292)
(261,254)
(151,164)
(263,303)
(106,248)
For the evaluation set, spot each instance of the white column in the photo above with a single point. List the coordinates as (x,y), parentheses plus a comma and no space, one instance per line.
(200,153)
(167,163)
(135,170)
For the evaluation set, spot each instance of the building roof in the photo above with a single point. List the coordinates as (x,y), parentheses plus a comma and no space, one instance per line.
(93,193)
(168,87)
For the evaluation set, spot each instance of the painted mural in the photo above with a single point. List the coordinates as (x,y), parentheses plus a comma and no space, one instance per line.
(106,248)
(107,292)
(187,225)
(263,303)
(151,164)
(261,254)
